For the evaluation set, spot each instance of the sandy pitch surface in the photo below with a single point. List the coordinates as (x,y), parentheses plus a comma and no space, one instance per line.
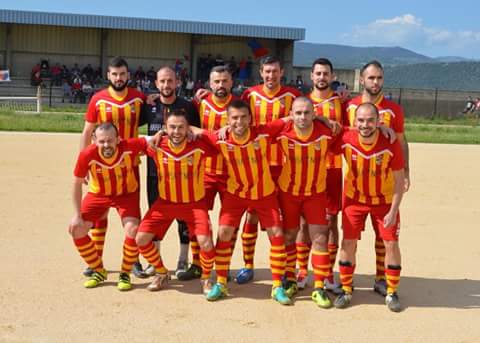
(42,298)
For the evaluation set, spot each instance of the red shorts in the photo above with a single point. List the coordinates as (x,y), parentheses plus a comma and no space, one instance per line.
(354,215)
(162,213)
(312,208)
(334,191)
(94,207)
(214,184)
(266,208)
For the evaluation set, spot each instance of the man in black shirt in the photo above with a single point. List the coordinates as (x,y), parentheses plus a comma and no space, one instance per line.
(154,115)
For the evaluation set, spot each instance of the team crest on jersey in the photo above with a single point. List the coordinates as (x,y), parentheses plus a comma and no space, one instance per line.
(256,145)
(379,159)
(291,145)
(354,157)
(165,160)
(190,160)
(108,109)
(318,146)
(98,170)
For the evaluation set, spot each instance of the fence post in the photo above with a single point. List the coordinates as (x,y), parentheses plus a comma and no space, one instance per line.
(434,113)
(39,99)
(400,96)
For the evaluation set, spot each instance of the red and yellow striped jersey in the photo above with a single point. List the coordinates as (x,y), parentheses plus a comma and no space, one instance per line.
(213,116)
(369,176)
(181,170)
(305,169)
(267,107)
(391,113)
(124,113)
(332,108)
(247,161)
(114,176)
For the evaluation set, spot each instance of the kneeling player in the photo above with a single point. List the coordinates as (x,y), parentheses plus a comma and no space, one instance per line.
(180,169)
(110,164)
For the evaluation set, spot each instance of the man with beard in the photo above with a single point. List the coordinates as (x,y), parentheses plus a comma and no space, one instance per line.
(114,182)
(391,115)
(328,104)
(154,116)
(122,106)
(374,185)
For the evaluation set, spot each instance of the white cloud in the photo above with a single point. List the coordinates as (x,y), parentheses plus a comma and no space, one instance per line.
(410,32)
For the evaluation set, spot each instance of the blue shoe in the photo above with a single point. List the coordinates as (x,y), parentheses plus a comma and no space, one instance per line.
(217,292)
(244,275)
(278,294)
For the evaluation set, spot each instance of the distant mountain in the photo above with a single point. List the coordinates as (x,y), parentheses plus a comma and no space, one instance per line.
(450,76)
(450,59)
(344,56)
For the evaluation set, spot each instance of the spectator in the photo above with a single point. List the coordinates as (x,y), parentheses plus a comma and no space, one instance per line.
(75,70)
(87,91)
(189,88)
(44,69)
(56,73)
(67,91)
(77,89)
(87,72)
(152,75)
(139,74)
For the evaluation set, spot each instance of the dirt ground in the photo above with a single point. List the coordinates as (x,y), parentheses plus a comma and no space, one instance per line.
(42,298)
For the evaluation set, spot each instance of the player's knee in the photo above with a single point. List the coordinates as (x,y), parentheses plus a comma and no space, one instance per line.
(290,236)
(142,239)
(205,242)
(349,245)
(225,233)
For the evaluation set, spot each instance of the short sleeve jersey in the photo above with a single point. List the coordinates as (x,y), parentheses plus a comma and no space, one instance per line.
(181,170)
(266,107)
(113,176)
(391,113)
(247,161)
(124,113)
(304,172)
(369,177)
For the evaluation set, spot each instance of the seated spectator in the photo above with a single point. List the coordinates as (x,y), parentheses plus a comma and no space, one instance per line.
(75,70)
(87,72)
(139,74)
(87,91)
(189,88)
(44,69)
(152,75)
(77,89)
(145,84)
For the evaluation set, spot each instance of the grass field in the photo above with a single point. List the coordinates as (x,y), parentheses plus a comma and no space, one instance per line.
(421,130)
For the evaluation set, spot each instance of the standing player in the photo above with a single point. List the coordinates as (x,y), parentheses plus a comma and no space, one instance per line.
(374,185)
(111,165)
(249,185)
(391,115)
(302,183)
(181,195)
(155,114)
(121,106)
(268,101)
(327,104)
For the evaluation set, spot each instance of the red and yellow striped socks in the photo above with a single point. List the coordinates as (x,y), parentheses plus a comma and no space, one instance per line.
(130,254)
(303,254)
(380,258)
(87,251)
(346,275)
(393,278)
(291,251)
(195,248)
(278,259)
(151,254)
(249,239)
(321,267)
(223,255)
(98,233)
(207,259)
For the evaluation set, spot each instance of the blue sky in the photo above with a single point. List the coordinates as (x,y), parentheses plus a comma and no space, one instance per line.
(427,27)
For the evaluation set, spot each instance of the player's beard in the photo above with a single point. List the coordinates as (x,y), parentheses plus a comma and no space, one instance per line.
(221,92)
(372,93)
(118,88)
(321,88)
(108,152)
(167,93)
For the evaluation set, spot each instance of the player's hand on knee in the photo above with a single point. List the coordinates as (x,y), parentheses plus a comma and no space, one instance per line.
(76,225)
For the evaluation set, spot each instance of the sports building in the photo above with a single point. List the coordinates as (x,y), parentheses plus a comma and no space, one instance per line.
(27,37)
